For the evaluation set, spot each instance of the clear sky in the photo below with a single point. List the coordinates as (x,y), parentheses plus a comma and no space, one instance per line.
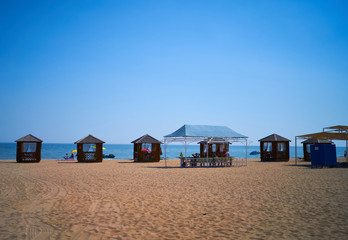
(121,69)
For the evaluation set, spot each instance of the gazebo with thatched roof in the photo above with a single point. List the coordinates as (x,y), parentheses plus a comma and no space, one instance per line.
(28,149)
(274,148)
(147,149)
(89,149)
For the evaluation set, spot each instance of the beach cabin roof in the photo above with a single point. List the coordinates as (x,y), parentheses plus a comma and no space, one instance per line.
(205,131)
(316,140)
(146,139)
(274,138)
(29,138)
(89,140)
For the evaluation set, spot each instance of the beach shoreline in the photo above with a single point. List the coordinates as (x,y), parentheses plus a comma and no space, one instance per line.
(125,200)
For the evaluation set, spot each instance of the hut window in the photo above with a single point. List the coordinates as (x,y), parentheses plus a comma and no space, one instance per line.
(146,146)
(205,146)
(281,147)
(267,147)
(89,148)
(214,147)
(29,147)
(308,148)
(222,148)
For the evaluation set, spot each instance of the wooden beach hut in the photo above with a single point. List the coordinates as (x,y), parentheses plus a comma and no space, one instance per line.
(28,149)
(307,146)
(274,148)
(217,147)
(147,149)
(89,149)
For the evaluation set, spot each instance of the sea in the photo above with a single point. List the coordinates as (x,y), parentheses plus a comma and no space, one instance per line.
(125,151)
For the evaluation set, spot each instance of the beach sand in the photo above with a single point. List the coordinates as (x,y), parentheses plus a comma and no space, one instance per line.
(119,199)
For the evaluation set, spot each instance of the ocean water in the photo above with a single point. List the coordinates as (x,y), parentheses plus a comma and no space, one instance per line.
(125,151)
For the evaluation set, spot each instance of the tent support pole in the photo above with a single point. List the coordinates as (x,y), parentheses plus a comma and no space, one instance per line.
(165,153)
(185,150)
(295,150)
(246,152)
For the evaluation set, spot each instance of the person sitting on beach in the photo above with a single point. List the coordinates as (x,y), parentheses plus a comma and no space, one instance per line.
(66,156)
(72,156)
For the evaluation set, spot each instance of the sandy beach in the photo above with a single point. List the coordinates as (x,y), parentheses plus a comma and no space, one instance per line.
(119,199)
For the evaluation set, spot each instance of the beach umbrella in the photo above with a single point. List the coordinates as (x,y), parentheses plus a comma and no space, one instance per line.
(145,150)
(74,151)
(95,147)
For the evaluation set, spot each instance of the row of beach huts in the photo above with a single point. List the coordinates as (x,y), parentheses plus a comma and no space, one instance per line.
(214,147)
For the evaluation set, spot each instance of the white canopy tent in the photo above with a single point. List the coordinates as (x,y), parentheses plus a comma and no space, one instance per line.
(195,133)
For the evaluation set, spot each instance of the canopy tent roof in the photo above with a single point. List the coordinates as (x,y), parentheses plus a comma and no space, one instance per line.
(205,131)
(274,138)
(316,140)
(29,138)
(326,135)
(146,139)
(89,140)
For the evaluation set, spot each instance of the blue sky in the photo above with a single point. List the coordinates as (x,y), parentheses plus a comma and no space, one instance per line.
(121,69)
